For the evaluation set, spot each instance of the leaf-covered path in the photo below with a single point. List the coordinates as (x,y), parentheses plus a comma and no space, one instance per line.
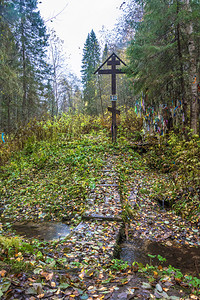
(118,204)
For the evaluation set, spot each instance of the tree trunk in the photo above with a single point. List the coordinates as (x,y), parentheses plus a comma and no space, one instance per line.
(180,58)
(193,73)
(24,98)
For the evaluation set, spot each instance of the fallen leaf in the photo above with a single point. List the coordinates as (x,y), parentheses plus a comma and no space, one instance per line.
(3,273)
(155,274)
(48,276)
(53,284)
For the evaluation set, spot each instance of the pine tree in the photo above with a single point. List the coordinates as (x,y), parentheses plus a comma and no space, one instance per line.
(90,61)
(10,89)
(32,40)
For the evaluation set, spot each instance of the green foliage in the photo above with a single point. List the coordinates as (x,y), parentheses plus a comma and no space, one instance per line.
(186,156)
(24,69)
(160,273)
(65,143)
(158,54)
(66,164)
(128,213)
(130,125)
(90,61)
(193,281)
(13,245)
(13,249)
(180,159)
(118,265)
(65,127)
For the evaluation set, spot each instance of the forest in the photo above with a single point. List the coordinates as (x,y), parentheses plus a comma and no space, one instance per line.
(81,216)
(161,51)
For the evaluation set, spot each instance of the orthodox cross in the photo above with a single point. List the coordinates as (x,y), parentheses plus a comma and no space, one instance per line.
(113,60)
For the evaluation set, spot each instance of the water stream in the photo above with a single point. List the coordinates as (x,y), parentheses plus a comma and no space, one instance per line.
(46,231)
(185,258)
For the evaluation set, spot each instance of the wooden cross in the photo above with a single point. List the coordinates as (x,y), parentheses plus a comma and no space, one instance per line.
(113,60)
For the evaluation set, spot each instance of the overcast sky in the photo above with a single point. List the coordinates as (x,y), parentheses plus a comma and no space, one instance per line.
(77,19)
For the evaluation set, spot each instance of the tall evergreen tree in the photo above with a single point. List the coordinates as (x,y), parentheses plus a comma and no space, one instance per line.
(10,89)
(90,61)
(32,40)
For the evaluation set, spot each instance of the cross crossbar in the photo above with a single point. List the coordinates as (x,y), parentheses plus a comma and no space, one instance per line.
(117,71)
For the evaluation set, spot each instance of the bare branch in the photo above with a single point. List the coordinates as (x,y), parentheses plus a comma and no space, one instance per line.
(54,17)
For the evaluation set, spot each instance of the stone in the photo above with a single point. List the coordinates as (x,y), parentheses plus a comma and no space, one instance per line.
(38,288)
(165,296)
(123,296)
(31,291)
(159,288)
(146,285)
(168,243)
(162,295)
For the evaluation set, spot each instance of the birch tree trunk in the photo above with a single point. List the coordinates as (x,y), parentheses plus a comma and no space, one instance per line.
(193,72)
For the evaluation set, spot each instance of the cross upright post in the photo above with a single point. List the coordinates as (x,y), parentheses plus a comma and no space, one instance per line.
(113,61)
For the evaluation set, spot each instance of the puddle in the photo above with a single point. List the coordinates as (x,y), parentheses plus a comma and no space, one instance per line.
(46,231)
(184,258)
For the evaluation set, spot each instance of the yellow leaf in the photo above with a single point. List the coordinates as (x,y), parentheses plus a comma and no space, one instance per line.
(19,259)
(155,273)
(3,273)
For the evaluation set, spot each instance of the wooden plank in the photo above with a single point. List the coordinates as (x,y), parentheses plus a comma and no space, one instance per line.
(101,218)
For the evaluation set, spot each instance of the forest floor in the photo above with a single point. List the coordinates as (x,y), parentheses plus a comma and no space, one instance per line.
(85,265)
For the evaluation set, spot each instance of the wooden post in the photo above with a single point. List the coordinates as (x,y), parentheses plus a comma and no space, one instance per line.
(114,119)
(114,122)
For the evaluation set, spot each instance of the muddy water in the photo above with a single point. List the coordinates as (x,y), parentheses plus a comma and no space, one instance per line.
(46,231)
(184,258)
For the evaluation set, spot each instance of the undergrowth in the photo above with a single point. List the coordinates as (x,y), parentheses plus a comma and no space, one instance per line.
(179,159)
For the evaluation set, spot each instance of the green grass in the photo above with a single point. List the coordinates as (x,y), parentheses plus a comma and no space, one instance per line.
(52,181)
